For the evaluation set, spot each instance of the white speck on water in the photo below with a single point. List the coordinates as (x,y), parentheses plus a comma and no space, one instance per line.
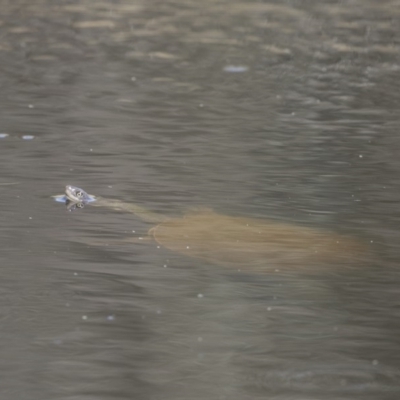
(3,135)
(110,317)
(187,247)
(90,149)
(199,339)
(372,241)
(66,304)
(375,362)
(140,238)
(165,265)
(274,297)
(158,247)
(269,308)
(30,217)
(31,106)
(200,295)
(133,79)
(84,317)
(277,270)
(201,105)
(58,342)
(158,311)
(293,113)
(75,274)
(361,156)
(133,231)
(28,137)
(235,68)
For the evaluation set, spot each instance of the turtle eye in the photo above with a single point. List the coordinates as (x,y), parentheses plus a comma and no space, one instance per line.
(79,194)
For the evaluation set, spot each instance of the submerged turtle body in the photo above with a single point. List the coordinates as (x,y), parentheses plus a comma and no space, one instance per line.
(250,243)
(261,245)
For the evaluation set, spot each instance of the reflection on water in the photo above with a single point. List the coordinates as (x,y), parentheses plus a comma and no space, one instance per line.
(285,112)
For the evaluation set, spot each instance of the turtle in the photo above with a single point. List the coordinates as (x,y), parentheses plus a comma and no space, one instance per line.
(240,242)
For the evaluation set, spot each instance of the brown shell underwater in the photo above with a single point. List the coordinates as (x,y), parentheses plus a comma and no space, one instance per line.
(257,245)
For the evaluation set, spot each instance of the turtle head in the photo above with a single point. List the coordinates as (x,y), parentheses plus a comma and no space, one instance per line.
(76,195)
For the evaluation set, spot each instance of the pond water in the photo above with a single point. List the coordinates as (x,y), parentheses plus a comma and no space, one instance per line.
(281,111)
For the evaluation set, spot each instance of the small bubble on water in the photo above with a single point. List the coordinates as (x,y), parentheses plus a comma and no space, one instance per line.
(110,317)
(375,362)
(165,265)
(57,342)
(133,79)
(269,308)
(30,217)
(28,137)
(4,135)
(158,247)
(199,339)
(235,68)
(158,311)
(201,105)
(361,156)
(84,317)
(31,106)
(187,247)
(200,295)
(75,274)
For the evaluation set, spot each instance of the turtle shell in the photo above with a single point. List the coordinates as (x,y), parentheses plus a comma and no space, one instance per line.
(254,244)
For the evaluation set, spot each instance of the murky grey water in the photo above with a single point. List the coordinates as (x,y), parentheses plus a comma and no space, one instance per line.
(281,110)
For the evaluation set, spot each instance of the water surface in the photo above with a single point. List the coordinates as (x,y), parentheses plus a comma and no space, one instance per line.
(278,110)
